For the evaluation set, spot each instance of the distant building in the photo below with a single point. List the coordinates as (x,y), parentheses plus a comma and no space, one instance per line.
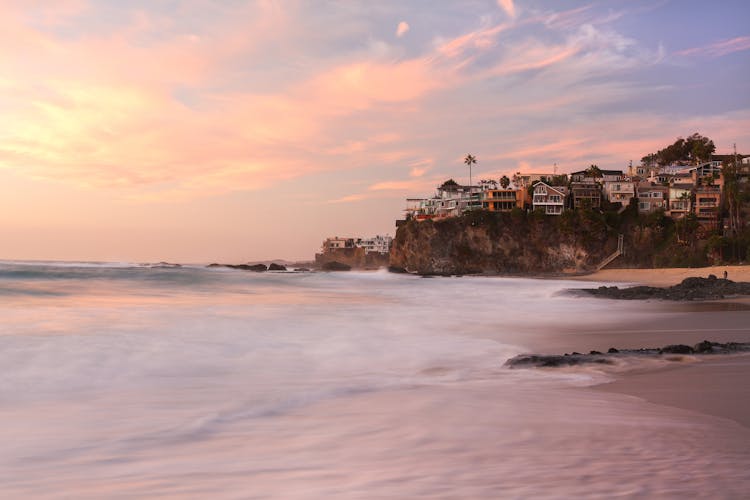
(707,203)
(503,200)
(680,203)
(336,242)
(379,244)
(607,175)
(548,198)
(585,195)
(526,180)
(450,200)
(652,197)
(619,191)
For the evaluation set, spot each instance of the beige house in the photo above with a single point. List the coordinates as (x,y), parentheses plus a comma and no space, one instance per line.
(619,191)
(680,203)
(551,199)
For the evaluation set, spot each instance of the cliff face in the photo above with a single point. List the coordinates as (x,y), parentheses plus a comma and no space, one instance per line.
(353,257)
(507,243)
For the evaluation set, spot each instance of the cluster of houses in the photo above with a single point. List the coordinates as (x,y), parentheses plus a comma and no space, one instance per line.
(377,244)
(675,189)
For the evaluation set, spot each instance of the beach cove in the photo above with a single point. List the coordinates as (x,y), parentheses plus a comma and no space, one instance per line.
(187,382)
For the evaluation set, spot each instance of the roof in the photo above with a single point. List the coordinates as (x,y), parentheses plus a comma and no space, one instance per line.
(604,172)
(560,189)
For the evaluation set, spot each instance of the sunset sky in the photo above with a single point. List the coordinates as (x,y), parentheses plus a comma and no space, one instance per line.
(198,131)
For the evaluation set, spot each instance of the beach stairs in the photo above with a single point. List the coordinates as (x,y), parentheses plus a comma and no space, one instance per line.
(620,251)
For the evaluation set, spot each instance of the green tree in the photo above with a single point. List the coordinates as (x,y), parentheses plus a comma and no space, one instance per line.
(504,182)
(695,149)
(732,195)
(595,172)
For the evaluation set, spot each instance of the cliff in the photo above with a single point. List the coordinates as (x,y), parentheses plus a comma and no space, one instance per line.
(504,243)
(353,257)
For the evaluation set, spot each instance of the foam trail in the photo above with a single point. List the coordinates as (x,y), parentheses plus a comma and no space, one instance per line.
(120,380)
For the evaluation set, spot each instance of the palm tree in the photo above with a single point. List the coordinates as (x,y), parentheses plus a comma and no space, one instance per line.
(470,160)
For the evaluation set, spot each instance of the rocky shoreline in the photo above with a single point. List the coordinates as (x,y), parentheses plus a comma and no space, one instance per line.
(710,288)
(599,358)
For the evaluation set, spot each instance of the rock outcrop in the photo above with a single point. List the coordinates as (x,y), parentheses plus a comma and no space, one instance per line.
(598,358)
(258,268)
(356,258)
(502,243)
(336,266)
(276,267)
(710,288)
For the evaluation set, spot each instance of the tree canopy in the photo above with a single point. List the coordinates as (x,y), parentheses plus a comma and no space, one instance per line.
(695,149)
(504,181)
(594,171)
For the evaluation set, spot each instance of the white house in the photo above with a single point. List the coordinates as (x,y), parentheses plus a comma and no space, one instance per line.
(379,243)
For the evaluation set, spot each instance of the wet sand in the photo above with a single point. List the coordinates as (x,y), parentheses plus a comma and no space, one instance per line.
(713,385)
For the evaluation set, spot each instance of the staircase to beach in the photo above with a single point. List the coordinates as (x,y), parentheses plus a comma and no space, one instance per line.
(620,251)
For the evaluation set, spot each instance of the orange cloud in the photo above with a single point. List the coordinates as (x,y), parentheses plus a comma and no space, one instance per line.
(402,29)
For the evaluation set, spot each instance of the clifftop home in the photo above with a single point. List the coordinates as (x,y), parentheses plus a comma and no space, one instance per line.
(361,253)
(678,190)
(377,244)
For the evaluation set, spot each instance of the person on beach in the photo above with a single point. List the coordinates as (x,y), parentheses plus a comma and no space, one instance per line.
(725,274)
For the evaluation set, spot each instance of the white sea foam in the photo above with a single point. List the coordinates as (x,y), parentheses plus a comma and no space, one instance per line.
(196,383)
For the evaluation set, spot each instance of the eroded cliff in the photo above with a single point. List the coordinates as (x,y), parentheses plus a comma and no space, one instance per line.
(503,243)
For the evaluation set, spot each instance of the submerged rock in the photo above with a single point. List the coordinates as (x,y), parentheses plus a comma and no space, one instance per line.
(258,268)
(677,349)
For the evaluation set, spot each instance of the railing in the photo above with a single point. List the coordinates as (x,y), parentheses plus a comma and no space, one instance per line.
(620,251)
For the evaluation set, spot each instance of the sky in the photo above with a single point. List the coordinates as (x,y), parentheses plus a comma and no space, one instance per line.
(232,131)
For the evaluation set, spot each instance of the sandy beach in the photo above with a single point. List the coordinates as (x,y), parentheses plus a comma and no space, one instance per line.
(713,385)
(665,277)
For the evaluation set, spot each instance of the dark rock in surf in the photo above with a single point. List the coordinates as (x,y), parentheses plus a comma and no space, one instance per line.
(336,266)
(696,288)
(677,349)
(276,267)
(595,357)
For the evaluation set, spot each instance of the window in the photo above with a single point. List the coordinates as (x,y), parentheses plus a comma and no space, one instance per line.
(644,205)
(656,195)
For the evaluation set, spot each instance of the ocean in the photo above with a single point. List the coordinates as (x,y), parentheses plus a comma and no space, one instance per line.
(123,381)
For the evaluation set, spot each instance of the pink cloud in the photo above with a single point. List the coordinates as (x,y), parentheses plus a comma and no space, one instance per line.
(720,48)
(402,29)
(508,7)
